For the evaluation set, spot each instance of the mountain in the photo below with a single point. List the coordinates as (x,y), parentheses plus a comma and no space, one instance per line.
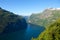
(51,33)
(10,22)
(26,18)
(46,17)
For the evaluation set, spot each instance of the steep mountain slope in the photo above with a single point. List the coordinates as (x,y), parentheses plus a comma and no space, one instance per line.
(46,17)
(9,22)
(51,33)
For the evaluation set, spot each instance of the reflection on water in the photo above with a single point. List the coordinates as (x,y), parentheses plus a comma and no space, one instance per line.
(26,34)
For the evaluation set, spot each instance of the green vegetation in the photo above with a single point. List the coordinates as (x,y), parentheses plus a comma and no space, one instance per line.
(9,19)
(51,33)
(45,18)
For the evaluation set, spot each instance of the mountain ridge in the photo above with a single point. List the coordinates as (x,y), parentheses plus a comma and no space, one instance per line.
(46,17)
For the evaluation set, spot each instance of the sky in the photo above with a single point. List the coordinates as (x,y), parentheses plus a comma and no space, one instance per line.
(27,7)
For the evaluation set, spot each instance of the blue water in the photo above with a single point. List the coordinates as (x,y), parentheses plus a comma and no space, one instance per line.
(26,34)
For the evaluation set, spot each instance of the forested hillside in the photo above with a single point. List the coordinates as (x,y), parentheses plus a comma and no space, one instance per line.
(51,33)
(10,22)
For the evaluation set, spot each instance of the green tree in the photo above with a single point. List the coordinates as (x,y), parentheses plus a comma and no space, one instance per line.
(51,33)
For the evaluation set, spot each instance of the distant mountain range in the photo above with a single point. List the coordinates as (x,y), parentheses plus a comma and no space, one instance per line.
(46,17)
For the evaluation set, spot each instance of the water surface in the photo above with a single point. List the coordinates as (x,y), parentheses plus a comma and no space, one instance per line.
(26,34)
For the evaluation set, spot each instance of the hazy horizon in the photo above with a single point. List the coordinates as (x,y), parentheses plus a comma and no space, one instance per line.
(27,7)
